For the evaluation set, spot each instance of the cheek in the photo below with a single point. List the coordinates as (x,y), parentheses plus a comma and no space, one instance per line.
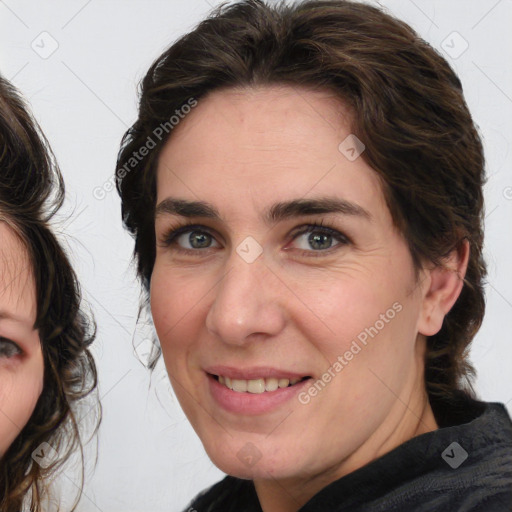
(20,389)
(175,308)
(340,308)
(371,351)
(368,324)
(174,292)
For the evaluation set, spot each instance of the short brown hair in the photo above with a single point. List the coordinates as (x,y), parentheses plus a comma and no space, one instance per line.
(409,111)
(31,191)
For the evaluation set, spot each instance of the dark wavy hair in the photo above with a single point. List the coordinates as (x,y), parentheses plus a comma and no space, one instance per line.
(408,109)
(31,192)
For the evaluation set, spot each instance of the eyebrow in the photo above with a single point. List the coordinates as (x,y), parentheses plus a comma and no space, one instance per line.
(275,213)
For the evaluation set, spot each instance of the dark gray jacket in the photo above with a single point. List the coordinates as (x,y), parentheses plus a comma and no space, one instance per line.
(464,466)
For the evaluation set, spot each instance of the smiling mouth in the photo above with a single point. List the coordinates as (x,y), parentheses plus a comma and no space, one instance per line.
(257,386)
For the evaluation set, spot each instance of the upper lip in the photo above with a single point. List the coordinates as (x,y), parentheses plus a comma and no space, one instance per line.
(253,372)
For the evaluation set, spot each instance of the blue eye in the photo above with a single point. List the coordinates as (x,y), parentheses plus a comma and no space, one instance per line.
(196,239)
(192,238)
(9,349)
(320,239)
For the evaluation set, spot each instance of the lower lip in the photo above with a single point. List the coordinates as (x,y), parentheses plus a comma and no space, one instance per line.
(252,403)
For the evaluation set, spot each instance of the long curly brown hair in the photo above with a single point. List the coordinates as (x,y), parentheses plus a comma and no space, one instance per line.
(31,192)
(409,111)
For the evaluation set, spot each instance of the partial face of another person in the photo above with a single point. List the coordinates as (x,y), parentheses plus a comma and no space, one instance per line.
(21,358)
(262,288)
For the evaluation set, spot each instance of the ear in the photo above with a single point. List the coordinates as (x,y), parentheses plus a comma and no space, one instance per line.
(442,287)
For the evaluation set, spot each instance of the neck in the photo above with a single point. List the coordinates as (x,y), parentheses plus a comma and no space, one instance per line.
(407,419)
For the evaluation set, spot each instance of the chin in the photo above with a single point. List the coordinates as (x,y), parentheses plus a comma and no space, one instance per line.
(250,460)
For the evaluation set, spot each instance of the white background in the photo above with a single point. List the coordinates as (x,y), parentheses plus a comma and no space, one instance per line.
(84,96)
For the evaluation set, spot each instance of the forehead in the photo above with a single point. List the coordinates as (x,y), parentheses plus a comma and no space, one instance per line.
(17,287)
(265,144)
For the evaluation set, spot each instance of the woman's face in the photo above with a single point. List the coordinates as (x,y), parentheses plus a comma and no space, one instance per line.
(21,359)
(253,299)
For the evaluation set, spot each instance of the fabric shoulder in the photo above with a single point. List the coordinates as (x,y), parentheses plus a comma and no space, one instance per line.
(229,495)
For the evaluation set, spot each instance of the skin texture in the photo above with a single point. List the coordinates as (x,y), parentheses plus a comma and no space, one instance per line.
(21,365)
(295,307)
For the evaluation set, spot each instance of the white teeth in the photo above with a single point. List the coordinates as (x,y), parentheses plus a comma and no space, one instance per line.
(239,385)
(271,384)
(256,386)
(283,383)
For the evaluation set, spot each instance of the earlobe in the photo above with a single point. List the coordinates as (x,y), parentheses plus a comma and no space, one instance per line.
(444,285)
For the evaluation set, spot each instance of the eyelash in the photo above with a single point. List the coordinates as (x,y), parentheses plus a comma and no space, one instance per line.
(175,231)
(11,346)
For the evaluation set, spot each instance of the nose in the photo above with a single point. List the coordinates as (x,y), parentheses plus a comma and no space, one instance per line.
(248,303)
